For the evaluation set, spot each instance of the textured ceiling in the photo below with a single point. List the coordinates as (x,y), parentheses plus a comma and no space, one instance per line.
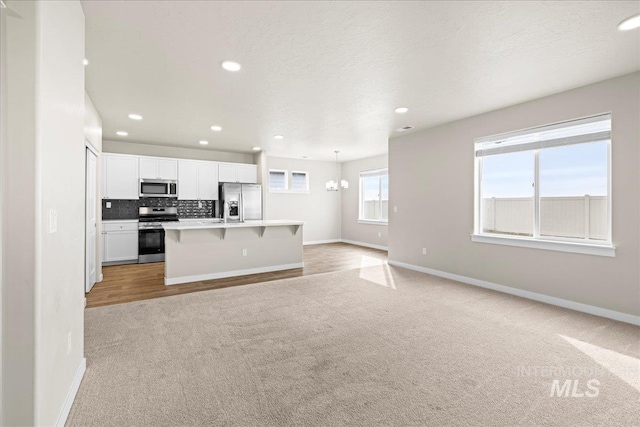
(328,75)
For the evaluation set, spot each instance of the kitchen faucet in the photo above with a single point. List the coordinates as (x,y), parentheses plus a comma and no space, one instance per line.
(225,210)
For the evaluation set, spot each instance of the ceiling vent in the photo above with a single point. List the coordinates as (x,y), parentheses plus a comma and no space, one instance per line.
(404,128)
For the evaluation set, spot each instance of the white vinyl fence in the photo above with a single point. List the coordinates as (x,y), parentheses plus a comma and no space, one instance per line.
(576,217)
(371,209)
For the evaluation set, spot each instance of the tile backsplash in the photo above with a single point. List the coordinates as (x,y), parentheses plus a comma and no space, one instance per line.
(128,209)
(191,209)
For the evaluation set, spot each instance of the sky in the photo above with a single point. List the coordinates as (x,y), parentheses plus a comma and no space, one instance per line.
(574,170)
(371,187)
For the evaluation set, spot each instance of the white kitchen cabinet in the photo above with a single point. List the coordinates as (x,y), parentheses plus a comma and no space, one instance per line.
(207,181)
(120,177)
(227,173)
(120,242)
(230,172)
(248,174)
(197,180)
(154,168)
(187,180)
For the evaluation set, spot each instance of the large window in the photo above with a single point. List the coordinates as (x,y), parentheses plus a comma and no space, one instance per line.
(374,196)
(547,184)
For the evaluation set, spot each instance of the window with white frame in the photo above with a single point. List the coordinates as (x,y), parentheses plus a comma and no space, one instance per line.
(278,180)
(299,181)
(550,183)
(374,196)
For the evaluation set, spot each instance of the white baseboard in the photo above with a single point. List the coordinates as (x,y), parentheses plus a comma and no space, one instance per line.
(577,306)
(71,394)
(100,278)
(321,242)
(366,245)
(211,276)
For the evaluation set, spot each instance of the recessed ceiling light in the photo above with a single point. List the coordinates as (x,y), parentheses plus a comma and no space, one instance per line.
(630,23)
(204,142)
(85,61)
(231,66)
(122,133)
(401,110)
(216,128)
(257,148)
(404,128)
(135,116)
(278,137)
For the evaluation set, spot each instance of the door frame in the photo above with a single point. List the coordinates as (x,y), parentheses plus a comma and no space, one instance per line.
(87,279)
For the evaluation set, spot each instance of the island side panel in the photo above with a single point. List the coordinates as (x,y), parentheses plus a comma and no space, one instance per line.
(202,254)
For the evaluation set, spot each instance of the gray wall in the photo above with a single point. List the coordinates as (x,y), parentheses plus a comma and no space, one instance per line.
(3,143)
(176,152)
(319,208)
(44,156)
(19,217)
(351,228)
(432,186)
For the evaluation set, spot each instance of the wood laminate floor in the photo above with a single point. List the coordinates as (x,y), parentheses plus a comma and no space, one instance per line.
(135,282)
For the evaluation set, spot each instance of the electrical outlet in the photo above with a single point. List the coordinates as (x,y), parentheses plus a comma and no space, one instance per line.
(244,252)
(199,204)
(108,205)
(424,251)
(379,234)
(395,209)
(53,221)
(69,343)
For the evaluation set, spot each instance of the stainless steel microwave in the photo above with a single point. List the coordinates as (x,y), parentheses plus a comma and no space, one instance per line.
(158,188)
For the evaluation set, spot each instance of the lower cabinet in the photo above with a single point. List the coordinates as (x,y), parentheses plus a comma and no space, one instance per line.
(120,242)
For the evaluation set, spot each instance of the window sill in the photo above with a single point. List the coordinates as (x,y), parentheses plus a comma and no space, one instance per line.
(549,245)
(366,221)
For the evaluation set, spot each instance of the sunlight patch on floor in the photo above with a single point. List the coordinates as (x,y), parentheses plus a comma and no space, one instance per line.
(378,273)
(627,368)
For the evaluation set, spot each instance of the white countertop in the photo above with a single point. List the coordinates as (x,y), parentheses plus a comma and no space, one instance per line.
(204,224)
(197,219)
(119,220)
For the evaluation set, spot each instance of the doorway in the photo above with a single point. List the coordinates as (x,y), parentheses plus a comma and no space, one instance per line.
(91,219)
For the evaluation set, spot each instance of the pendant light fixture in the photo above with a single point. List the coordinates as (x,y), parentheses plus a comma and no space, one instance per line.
(333,185)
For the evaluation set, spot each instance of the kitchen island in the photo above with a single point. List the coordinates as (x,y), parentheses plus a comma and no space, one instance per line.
(210,249)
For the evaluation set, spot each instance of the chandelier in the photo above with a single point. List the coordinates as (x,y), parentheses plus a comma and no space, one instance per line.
(333,185)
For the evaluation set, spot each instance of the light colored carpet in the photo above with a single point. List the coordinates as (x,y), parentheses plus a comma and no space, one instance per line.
(373,346)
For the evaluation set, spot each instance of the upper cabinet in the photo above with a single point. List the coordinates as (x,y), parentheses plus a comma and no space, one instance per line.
(236,172)
(155,168)
(187,180)
(120,177)
(207,181)
(197,180)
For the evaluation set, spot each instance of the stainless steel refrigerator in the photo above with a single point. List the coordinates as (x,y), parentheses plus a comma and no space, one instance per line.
(240,202)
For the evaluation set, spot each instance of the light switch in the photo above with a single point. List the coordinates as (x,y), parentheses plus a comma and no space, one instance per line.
(395,209)
(53,221)
(108,205)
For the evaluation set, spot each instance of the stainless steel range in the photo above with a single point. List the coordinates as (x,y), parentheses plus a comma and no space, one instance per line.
(151,233)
